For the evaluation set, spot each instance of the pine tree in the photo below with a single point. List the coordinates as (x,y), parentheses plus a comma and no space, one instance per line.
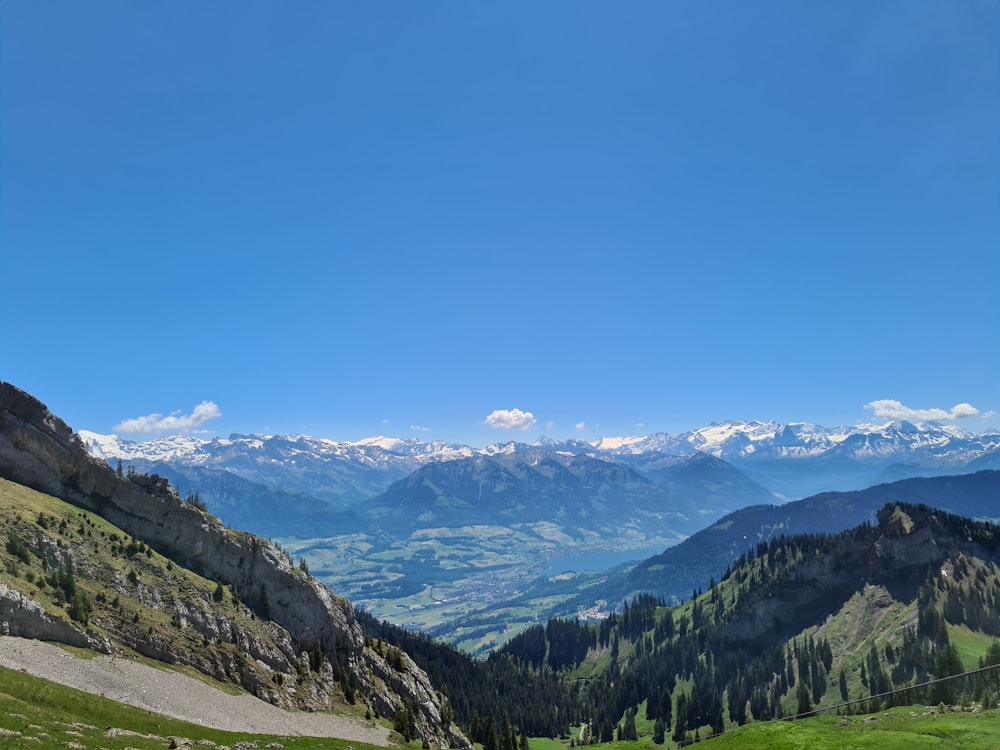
(680,727)
(659,732)
(805,707)
(266,610)
(629,733)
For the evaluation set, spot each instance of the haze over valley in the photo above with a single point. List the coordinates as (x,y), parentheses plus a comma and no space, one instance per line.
(867,599)
(472,545)
(499,376)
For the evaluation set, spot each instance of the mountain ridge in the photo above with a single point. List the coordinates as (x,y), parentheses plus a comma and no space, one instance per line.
(731,437)
(39,451)
(706,553)
(793,460)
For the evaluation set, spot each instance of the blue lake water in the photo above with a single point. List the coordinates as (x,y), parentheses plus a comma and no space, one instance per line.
(598,560)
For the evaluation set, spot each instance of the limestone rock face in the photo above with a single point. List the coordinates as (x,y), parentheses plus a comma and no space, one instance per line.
(40,451)
(895,555)
(22,616)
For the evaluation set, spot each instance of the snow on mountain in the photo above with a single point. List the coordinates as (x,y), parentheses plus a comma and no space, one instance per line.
(731,437)
(951,429)
(740,442)
(171,448)
(728,463)
(743,440)
(381,441)
(500,449)
(616,443)
(658,442)
(377,452)
(728,440)
(927,443)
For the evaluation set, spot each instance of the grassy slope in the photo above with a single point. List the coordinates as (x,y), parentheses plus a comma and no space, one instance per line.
(120,605)
(909,728)
(41,714)
(904,728)
(133,593)
(870,617)
(971,645)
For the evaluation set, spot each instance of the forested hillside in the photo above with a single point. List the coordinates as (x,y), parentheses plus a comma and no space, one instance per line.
(796,623)
(706,554)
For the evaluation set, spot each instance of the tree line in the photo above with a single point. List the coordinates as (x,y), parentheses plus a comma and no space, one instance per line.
(690,671)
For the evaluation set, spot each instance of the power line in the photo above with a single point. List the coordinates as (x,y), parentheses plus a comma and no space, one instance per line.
(838,706)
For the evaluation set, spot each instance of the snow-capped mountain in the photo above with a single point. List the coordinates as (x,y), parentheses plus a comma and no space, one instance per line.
(792,460)
(379,452)
(800,459)
(339,473)
(744,440)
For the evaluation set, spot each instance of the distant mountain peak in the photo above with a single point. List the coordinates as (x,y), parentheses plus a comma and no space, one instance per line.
(380,441)
(793,459)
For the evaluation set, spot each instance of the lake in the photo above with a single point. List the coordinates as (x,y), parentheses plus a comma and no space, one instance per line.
(599,560)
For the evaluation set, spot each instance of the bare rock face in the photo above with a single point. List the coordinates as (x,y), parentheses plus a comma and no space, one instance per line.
(894,556)
(40,451)
(21,616)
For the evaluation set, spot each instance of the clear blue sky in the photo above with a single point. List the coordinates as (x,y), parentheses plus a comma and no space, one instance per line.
(351,219)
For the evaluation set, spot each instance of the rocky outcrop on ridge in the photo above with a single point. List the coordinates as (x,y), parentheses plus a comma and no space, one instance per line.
(22,616)
(897,553)
(38,450)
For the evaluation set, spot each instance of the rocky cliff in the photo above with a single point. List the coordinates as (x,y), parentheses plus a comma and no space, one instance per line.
(24,617)
(38,450)
(792,590)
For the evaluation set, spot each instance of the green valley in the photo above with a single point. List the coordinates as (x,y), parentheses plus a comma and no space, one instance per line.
(883,622)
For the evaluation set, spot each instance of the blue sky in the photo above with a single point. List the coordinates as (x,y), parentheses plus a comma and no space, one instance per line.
(351,219)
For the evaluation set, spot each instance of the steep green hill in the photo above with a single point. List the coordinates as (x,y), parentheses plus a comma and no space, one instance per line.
(689,565)
(98,587)
(856,621)
(799,622)
(40,714)
(118,562)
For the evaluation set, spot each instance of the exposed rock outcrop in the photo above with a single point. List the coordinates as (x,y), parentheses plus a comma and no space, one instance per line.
(40,451)
(896,555)
(22,616)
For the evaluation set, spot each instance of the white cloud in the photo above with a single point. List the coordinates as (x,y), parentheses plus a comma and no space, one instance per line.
(989,414)
(157,424)
(639,425)
(419,428)
(581,426)
(549,425)
(385,421)
(888,408)
(510,419)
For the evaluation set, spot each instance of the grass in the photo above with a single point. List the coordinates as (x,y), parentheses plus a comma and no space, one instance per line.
(137,597)
(544,743)
(41,714)
(904,728)
(971,645)
(487,580)
(908,728)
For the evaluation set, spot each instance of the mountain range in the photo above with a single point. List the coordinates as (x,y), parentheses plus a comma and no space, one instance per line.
(791,460)
(677,571)
(887,613)
(581,493)
(896,611)
(435,535)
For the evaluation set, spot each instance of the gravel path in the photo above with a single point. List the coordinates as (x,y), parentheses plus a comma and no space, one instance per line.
(174,694)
